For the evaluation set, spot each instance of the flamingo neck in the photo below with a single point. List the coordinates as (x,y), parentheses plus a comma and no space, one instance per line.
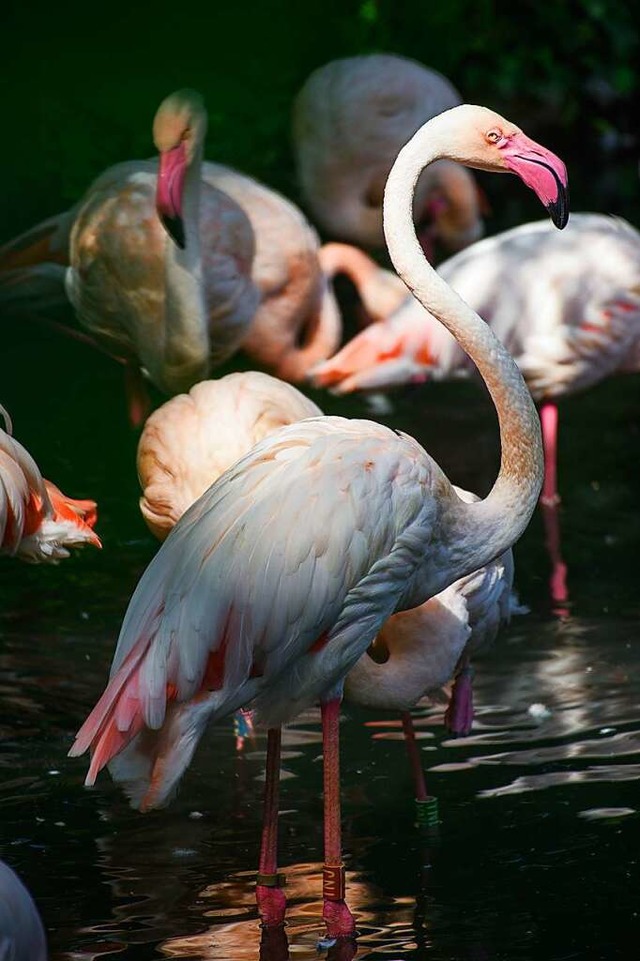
(186,346)
(496,522)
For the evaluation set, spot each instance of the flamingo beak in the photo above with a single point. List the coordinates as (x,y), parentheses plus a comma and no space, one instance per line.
(171,174)
(541,170)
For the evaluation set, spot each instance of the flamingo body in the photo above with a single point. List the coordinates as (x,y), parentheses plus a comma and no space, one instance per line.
(22,936)
(566,305)
(116,279)
(350,119)
(297,321)
(193,438)
(424,645)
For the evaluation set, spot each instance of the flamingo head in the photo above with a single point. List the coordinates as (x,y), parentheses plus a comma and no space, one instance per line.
(486,141)
(179,129)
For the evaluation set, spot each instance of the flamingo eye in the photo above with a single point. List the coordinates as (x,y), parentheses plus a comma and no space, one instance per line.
(495,136)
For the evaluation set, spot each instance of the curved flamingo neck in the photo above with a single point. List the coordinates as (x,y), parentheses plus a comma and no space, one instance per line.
(185,357)
(503,515)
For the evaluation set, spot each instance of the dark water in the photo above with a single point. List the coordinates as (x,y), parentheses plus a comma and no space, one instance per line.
(537,853)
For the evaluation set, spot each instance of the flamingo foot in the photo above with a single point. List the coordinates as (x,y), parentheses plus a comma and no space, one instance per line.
(339,920)
(271,901)
(458,717)
(339,949)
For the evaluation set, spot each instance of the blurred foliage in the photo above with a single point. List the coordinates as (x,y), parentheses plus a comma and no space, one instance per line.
(81,82)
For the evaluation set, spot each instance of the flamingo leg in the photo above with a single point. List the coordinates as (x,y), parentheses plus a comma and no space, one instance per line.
(414,756)
(426,805)
(269,895)
(550,502)
(138,400)
(458,717)
(339,920)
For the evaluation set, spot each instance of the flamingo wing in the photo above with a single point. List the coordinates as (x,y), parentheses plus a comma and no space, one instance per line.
(289,563)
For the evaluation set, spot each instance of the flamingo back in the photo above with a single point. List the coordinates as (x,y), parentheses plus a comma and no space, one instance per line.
(193,438)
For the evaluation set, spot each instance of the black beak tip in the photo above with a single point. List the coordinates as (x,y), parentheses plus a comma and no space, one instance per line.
(175,228)
(559,209)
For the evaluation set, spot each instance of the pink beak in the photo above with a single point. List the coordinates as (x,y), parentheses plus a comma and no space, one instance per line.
(171,174)
(542,171)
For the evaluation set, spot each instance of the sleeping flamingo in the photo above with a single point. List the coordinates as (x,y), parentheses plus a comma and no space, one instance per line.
(160,259)
(193,438)
(349,121)
(274,583)
(38,523)
(567,306)
(419,650)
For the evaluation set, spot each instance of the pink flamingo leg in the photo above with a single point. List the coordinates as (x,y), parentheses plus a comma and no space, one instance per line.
(414,756)
(269,895)
(426,805)
(138,400)
(339,920)
(549,502)
(458,717)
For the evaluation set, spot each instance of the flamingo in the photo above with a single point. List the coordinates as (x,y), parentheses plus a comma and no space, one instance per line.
(567,306)
(274,583)
(349,121)
(193,438)
(297,321)
(38,523)
(160,259)
(22,936)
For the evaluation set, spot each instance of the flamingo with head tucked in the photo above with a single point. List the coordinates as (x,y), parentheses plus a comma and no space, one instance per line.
(193,438)
(38,523)
(350,119)
(278,578)
(567,306)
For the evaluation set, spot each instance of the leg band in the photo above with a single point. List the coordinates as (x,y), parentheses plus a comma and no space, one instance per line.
(333,882)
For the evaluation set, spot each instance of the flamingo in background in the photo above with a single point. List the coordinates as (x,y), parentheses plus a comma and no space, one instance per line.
(280,576)
(350,119)
(566,305)
(160,260)
(297,321)
(38,523)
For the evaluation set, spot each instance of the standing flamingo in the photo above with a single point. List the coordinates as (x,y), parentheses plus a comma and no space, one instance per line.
(38,523)
(567,306)
(193,438)
(274,583)
(350,119)
(160,260)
